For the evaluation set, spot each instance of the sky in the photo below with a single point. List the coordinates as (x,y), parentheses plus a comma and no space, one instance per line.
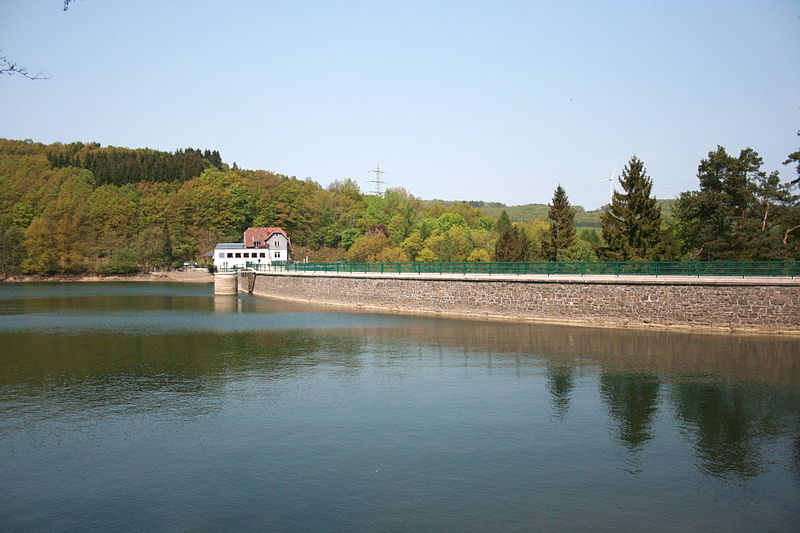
(457,100)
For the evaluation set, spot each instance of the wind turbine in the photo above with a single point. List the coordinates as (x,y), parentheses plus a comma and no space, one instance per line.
(610,186)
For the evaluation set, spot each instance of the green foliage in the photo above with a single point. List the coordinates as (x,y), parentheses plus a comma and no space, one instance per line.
(391,254)
(11,251)
(484,223)
(449,220)
(219,201)
(512,245)
(455,245)
(121,262)
(58,240)
(479,255)
(118,166)
(591,235)
(529,212)
(81,207)
(503,223)
(413,245)
(794,158)
(579,251)
(402,223)
(349,236)
(23,214)
(561,234)
(184,247)
(632,226)
(740,211)
(367,248)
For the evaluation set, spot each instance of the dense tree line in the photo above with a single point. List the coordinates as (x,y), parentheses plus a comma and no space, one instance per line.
(740,211)
(120,213)
(118,166)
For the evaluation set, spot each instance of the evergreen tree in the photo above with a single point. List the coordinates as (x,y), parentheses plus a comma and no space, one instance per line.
(794,225)
(632,225)
(11,251)
(166,248)
(512,245)
(739,213)
(503,223)
(794,157)
(561,234)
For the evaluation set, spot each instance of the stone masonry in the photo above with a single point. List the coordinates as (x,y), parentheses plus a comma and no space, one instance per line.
(741,305)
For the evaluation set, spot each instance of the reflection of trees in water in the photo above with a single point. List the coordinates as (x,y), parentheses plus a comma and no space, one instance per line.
(728,420)
(632,400)
(140,373)
(635,364)
(560,382)
(730,424)
(748,358)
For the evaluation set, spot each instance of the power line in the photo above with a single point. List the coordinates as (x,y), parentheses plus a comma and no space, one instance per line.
(377,181)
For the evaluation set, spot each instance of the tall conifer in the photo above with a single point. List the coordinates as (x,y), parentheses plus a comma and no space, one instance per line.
(512,245)
(739,213)
(561,234)
(632,225)
(503,223)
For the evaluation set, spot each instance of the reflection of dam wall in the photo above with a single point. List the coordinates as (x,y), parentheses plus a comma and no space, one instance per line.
(737,304)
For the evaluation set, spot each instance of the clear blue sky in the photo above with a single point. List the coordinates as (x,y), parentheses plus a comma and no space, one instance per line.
(494,100)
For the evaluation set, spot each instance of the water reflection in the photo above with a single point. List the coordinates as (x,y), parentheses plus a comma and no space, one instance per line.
(632,400)
(528,410)
(561,383)
(730,425)
(91,375)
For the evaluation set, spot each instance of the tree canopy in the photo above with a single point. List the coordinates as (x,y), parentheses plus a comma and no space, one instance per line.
(632,225)
(81,207)
(740,212)
(561,234)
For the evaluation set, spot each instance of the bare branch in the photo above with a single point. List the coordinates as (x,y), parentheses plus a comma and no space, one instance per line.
(9,68)
(764,222)
(788,231)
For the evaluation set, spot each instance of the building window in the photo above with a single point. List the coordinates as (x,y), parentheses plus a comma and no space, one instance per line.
(277,255)
(263,254)
(247,254)
(222,255)
(230,254)
(238,255)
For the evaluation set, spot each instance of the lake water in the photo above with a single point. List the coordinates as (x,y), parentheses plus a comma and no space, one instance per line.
(159,407)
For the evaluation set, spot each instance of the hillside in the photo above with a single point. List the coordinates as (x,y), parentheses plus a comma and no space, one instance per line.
(73,208)
(528,212)
(76,208)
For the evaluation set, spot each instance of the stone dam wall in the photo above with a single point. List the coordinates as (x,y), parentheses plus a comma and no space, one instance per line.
(735,304)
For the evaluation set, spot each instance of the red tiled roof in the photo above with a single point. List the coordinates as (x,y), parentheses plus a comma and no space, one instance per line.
(253,235)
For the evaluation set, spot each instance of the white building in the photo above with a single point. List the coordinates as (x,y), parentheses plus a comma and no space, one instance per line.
(261,246)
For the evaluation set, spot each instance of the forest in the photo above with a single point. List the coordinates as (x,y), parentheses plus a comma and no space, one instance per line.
(84,208)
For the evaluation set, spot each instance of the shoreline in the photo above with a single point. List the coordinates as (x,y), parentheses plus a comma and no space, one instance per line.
(760,307)
(536,320)
(171,276)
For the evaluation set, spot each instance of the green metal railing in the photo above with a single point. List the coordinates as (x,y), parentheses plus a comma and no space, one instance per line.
(788,269)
